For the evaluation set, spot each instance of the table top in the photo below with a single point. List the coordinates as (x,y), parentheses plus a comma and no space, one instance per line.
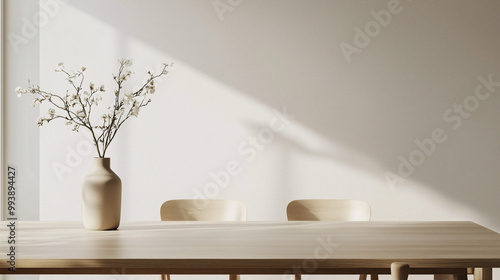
(249,247)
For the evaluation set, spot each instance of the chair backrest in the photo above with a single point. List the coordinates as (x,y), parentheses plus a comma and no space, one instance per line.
(203,210)
(328,210)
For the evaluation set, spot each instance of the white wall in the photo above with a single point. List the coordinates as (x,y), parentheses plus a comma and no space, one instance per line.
(21,58)
(353,119)
(21,136)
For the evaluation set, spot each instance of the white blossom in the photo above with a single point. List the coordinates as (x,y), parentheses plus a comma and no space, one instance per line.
(125,75)
(19,91)
(127,98)
(76,108)
(96,99)
(135,110)
(80,113)
(125,62)
(36,101)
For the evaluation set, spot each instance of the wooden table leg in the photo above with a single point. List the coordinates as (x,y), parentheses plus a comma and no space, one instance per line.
(484,273)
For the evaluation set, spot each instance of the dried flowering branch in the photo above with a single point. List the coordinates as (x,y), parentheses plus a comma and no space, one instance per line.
(76,108)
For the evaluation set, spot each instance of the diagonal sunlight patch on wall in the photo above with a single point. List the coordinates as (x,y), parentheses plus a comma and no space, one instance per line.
(193,127)
(197,122)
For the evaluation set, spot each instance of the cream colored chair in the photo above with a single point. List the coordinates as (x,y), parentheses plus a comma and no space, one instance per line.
(203,210)
(329,210)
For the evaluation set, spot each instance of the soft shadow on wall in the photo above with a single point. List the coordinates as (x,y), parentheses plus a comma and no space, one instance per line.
(395,90)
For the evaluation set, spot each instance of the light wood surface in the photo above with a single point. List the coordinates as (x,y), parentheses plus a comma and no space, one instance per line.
(251,247)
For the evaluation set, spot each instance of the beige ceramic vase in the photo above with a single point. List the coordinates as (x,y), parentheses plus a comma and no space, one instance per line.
(102,196)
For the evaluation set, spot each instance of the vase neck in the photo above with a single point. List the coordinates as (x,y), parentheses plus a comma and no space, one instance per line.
(102,163)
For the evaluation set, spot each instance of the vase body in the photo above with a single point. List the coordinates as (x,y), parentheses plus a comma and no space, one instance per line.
(102,196)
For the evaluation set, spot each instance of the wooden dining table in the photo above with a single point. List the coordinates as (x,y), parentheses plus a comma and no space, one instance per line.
(284,248)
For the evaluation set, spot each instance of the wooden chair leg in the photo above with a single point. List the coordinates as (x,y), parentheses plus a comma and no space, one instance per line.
(362,276)
(165,277)
(399,271)
(483,273)
(298,277)
(373,276)
(233,277)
